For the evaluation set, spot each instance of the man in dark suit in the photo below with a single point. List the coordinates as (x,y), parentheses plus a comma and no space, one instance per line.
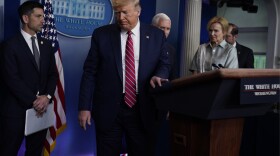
(245,55)
(245,60)
(104,91)
(163,22)
(29,82)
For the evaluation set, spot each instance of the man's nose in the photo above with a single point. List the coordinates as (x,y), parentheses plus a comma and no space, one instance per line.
(43,19)
(121,15)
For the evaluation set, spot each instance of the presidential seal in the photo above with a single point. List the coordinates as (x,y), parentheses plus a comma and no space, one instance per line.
(78,18)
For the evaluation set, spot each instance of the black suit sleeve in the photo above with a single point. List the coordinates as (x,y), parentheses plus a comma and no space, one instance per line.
(173,61)
(52,75)
(245,56)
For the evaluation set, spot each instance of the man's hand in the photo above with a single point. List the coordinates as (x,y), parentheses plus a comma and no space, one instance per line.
(41,104)
(84,118)
(157,80)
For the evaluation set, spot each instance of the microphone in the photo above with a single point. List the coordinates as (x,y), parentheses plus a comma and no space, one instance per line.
(221,66)
(214,65)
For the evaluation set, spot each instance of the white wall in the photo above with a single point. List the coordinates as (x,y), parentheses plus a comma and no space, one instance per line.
(259,31)
(253,26)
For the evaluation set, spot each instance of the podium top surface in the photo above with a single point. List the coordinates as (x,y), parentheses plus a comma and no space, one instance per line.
(226,74)
(220,94)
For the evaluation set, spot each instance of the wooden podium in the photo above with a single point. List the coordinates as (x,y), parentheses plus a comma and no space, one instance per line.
(207,109)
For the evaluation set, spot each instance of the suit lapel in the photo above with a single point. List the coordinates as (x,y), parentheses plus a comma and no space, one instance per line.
(144,50)
(238,49)
(42,49)
(117,50)
(28,52)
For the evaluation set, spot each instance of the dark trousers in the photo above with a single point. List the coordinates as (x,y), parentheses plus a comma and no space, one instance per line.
(12,135)
(127,123)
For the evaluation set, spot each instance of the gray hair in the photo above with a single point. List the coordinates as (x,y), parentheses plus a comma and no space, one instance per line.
(159,16)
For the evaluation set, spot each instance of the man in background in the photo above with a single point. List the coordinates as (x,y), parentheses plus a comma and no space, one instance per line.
(245,55)
(163,22)
(29,77)
(245,60)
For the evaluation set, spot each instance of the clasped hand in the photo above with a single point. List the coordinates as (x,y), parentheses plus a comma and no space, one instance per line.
(41,104)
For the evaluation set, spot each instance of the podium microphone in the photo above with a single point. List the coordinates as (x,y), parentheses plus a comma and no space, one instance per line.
(221,66)
(214,65)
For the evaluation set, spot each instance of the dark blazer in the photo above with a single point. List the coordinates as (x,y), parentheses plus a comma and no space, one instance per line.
(245,56)
(21,76)
(101,89)
(173,61)
(1,79)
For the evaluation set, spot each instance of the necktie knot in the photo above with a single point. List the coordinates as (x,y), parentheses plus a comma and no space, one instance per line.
(33,38)
(129,33)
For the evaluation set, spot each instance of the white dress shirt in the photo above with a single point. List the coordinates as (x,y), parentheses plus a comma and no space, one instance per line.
(136,47)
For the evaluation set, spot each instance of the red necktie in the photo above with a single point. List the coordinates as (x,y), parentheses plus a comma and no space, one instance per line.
(130,82)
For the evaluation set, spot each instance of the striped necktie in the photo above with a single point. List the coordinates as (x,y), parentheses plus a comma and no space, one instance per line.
(130,82)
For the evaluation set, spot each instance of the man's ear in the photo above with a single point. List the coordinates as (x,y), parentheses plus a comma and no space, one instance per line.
(25,18)
(235,36)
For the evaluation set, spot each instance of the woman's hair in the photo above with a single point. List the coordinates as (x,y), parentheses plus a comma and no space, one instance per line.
(220,20)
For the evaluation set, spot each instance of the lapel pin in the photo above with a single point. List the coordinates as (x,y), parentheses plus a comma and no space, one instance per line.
(147,37)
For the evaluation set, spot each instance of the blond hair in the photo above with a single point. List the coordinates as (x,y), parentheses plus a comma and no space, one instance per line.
(220,20)
(121,3)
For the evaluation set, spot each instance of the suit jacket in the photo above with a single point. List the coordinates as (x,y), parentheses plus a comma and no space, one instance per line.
(101,89)
(21,76)
(173,61)
(245,56)
(1,79)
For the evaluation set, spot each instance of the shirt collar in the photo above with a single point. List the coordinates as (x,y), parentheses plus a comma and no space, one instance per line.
(26,35)
(234,44)
(222,44)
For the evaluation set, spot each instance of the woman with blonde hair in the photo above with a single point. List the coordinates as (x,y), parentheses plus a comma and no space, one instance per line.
(217,53)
